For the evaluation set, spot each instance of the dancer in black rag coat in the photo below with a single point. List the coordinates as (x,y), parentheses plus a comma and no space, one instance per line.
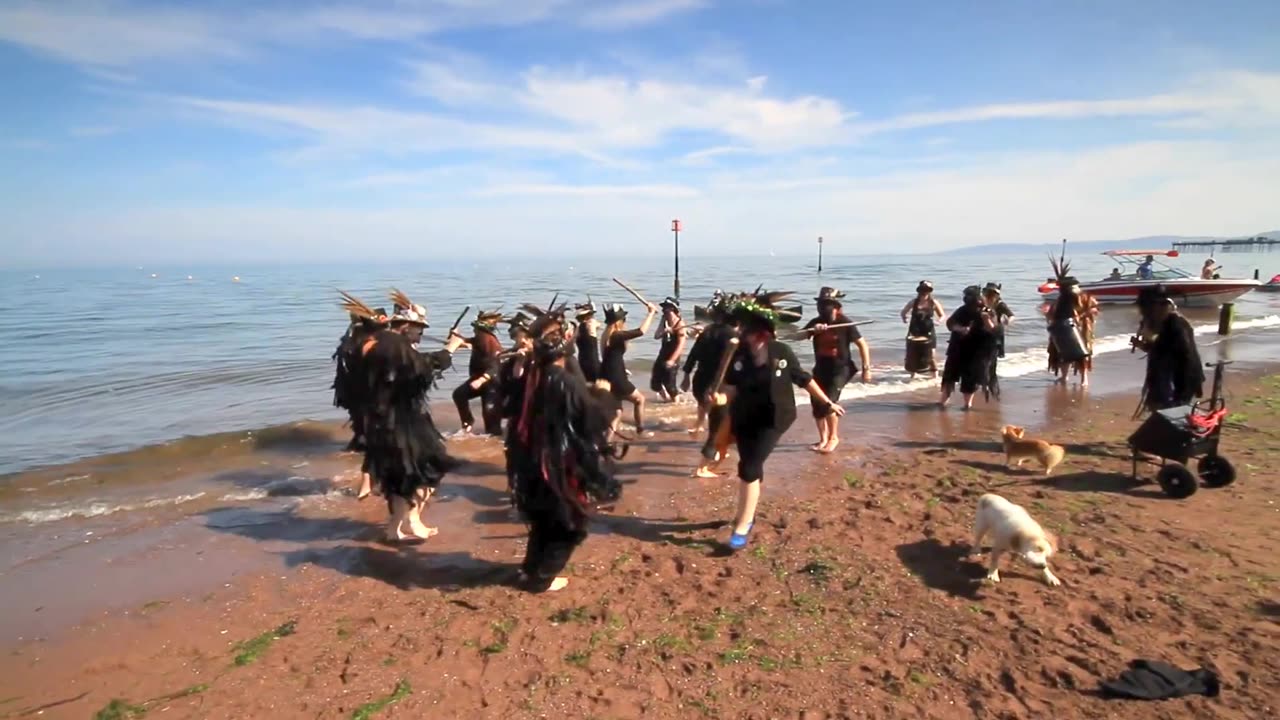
(406,454)
(349,382)
(558,454)
(1175,374)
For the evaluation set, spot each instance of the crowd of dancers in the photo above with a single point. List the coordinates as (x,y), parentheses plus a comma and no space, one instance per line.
(556,393)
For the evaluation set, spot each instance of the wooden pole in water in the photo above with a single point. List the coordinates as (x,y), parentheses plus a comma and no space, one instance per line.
(675,229)
(819,253)
(1225,317)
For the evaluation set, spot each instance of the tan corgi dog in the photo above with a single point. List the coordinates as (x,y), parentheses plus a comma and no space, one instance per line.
(1018,449)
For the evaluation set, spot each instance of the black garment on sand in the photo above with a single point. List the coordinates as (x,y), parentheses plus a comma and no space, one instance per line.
(1155,680)
(764,403)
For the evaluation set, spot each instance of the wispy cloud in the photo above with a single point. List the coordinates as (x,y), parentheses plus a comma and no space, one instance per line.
(538,189)
(88,131)
(614,16)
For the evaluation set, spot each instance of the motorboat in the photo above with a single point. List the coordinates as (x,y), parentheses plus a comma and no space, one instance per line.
(1125,282)
(1272,285)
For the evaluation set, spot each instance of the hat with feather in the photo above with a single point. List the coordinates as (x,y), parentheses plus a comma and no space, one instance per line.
(1062,271)
(614,313)
(759,309)
(407,311)
(359,312)
(487,320)
(584,310)
(552,333)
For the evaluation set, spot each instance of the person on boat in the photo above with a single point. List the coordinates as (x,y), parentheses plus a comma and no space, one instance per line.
(482,371)
(971,350)
(1146,270)
(613,362)
(586,338)
(1210,270)
(558,456)
(920,313)
(1078,310)
(704,359)
(1175,375)
(405,452)
(671,334)
(758,389)
(833,362)
(1115,274)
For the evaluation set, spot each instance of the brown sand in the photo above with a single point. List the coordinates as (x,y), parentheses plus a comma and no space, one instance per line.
(854,598)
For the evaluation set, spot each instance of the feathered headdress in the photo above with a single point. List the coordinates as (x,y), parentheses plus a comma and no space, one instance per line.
(407,311)
(357,309)
(758,306)
(552,335)
(487,320)
(1062,268)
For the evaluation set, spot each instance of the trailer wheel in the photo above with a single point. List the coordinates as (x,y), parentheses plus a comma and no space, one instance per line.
(1176,481)
(1216,471)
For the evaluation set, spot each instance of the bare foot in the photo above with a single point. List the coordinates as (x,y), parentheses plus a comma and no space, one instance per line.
(559,583)
(829,447)
(704,472)
(696,430)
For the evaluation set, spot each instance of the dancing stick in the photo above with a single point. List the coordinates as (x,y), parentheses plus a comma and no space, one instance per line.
(634,294)
(725,359)
(838,326)
(454,330)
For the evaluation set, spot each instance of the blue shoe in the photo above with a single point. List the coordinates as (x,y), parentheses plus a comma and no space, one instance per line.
(737,542)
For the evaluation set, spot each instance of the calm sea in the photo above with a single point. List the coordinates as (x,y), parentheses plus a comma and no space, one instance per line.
(101,361)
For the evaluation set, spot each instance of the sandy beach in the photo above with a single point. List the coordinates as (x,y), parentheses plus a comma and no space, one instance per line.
(854,599)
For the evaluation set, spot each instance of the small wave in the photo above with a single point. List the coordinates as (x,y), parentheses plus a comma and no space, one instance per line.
(92,509)
(69,479)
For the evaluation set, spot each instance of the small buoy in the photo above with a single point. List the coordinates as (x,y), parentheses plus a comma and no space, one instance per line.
(37,277)
(154,275)
(235,279)
(190,278)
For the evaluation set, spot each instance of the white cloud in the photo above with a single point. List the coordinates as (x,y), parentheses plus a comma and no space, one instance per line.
(87,131)
(592,191)
(632,13)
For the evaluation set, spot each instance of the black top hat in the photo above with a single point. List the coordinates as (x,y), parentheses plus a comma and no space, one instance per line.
(672,303)
(829,294)
(583,310)
(614,313)
(992,287)
(924,287)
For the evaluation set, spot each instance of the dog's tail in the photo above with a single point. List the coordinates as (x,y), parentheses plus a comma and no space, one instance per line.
(1056,454)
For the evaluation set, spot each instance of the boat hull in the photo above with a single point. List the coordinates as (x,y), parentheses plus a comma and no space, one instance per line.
(1187,293)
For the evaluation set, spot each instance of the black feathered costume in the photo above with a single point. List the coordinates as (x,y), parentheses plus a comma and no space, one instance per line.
(558,453)
(1175,374)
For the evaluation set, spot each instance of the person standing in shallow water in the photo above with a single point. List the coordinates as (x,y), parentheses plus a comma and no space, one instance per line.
(969,350)
(1004,318)
(671,335)
(587,341)
(762,404)
(833,362)
(613,363)
(704,360)
(920,314)
(482,376)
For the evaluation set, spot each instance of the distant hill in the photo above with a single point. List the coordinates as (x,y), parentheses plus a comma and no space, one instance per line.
(1152,242)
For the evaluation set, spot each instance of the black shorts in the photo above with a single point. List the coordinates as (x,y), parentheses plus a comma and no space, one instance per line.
(754,447)
(663,379)
(622,389)
(957,370)
(831,375)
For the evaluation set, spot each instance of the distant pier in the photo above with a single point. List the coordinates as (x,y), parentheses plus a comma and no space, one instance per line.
(1252,244)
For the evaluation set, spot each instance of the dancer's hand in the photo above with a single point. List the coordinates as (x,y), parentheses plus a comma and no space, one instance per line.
(720,399)
(837,410)
(455,341)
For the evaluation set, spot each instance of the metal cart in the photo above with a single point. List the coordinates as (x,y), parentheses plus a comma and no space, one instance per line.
(1178,434)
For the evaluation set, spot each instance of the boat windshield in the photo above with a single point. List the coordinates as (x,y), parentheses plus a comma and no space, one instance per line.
(1128,269)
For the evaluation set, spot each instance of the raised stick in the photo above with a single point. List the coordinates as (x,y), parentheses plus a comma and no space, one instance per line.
(634,294)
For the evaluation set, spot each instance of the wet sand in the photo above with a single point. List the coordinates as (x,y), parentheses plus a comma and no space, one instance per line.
(853,600)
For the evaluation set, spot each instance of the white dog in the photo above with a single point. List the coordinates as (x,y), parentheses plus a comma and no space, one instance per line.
(1012,530)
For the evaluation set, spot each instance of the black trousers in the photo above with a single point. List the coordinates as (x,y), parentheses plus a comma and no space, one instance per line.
(551,544)
(490,405)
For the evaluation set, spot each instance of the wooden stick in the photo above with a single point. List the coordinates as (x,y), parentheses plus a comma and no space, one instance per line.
(725,359)
(453,330)
(634,294)
(840,325)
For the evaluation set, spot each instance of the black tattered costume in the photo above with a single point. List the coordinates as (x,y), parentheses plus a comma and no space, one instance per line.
(482,370)
(972,349)
(1175,374)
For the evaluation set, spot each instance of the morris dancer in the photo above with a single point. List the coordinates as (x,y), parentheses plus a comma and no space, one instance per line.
(833,362)
(482,371)
(587,340)
(1004,318)
(970,349)
(700,367)
(762,404)
(613,363)
(922,337)
(1175,375)
(672,335)
(406,453)
(1071,321)
(349,383)
(557,455)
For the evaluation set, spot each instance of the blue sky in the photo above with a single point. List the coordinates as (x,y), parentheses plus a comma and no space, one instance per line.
(137,131)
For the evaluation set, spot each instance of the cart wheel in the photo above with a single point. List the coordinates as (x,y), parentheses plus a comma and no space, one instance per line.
(1176,481)
(1216,471)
